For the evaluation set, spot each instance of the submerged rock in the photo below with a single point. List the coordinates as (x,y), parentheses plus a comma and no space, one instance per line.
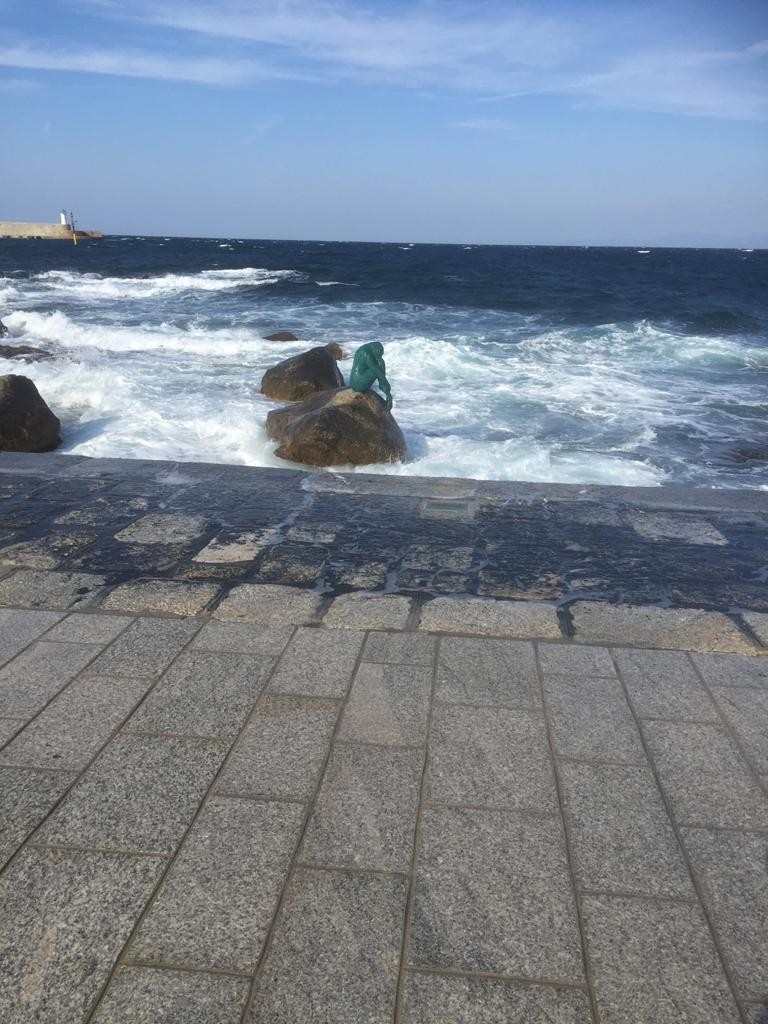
(302,375)
(26,422)
(34,355)
(281,336)
(337,428)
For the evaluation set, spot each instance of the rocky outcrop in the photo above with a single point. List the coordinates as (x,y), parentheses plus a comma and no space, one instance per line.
(27,352)
(3,329)
(337,428)
(300,376)
(281,336)
(337,351)
(26,422)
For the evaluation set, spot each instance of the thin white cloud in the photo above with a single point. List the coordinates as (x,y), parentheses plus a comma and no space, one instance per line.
(485,124)
(18,85)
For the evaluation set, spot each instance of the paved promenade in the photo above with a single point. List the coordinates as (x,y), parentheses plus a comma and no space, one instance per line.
(232,793)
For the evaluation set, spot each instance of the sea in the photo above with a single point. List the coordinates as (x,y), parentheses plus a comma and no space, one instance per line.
(582,365)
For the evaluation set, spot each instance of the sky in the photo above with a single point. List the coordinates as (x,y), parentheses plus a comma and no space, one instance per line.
(602,122)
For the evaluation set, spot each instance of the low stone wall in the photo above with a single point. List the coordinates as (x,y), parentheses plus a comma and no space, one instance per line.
(23,229)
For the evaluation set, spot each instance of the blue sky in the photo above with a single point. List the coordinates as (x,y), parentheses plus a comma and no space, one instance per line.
(564,123)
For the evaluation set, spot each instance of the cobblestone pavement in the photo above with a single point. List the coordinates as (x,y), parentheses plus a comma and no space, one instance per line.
(228,799)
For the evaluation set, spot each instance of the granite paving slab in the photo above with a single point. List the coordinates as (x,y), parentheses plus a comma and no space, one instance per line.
(214,908)
(758,623)
(204,693)
(621,837)
(591,719)
(388,704)
(72,728)
(267,603)
(565,660)
(719,670)
(732,868)
(32,588)
(664,684)
(140,794)
(84,628)
(668,972)
(318,663)
(335,951)
(146,648)
(281,751)
(151,597)
(491,756)
(65,919)
(400,649)
(243,638)
(493,895)
(30,680)
(365,812)
(9,727)
(19,628)
(490,618)
(443,998)
(705,778)
(26,797)
(144,995)
(746,711)
(472,670)
(366,611)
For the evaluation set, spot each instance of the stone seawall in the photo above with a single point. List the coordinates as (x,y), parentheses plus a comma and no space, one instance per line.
(23,229)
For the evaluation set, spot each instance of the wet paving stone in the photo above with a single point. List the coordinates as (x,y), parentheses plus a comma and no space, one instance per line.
(30,588)
(47,552)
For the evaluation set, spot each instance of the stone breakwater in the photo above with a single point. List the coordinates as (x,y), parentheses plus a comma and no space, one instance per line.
(671,568)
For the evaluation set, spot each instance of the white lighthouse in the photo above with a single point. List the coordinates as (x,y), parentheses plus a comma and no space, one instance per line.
(63,218)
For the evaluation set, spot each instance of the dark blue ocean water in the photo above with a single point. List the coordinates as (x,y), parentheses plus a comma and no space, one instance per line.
(517,362)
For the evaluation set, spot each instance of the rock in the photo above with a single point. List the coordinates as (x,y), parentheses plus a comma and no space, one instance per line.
(337,351)
(281,336)
(26,422)
(301,376)
(34,355)
(3,329)
(337,428)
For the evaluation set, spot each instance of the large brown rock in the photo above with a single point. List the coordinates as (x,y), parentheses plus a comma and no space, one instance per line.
(26,422)
(301,376)
(34,355)
(281,336)
(337,428)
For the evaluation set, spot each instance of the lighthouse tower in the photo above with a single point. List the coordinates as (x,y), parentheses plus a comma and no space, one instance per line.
(63,218)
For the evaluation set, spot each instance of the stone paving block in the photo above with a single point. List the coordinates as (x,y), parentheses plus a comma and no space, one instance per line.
(143,995)
(666,526)
(160,527)
(215,907)
(747,713)
(65,919)
(233,546)
(475,671)
(140,794)
(282,749)
(705,777)
(268,603)
(364,575)
(668,971)
(681,629)
(29,681)
(491,756)
(335,951)
(45,552)
(366,611)
(758,623)
(493,894)
(365,813)
(388,704)
(725,670)
(204,693)
(89,629)
(32,588)
(9,727)
(757,1013)
(26,796)
(69,732)
(490,618)
(453,999)
(664,684)
(318,662)
(400,648)
(146,648)
(621,837)
(19,628)
(243,638)
(104,510)
(568,660)
(591,719)
(732,869)
(150,597)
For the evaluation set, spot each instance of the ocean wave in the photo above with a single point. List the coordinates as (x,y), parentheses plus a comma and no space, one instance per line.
(71,284)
